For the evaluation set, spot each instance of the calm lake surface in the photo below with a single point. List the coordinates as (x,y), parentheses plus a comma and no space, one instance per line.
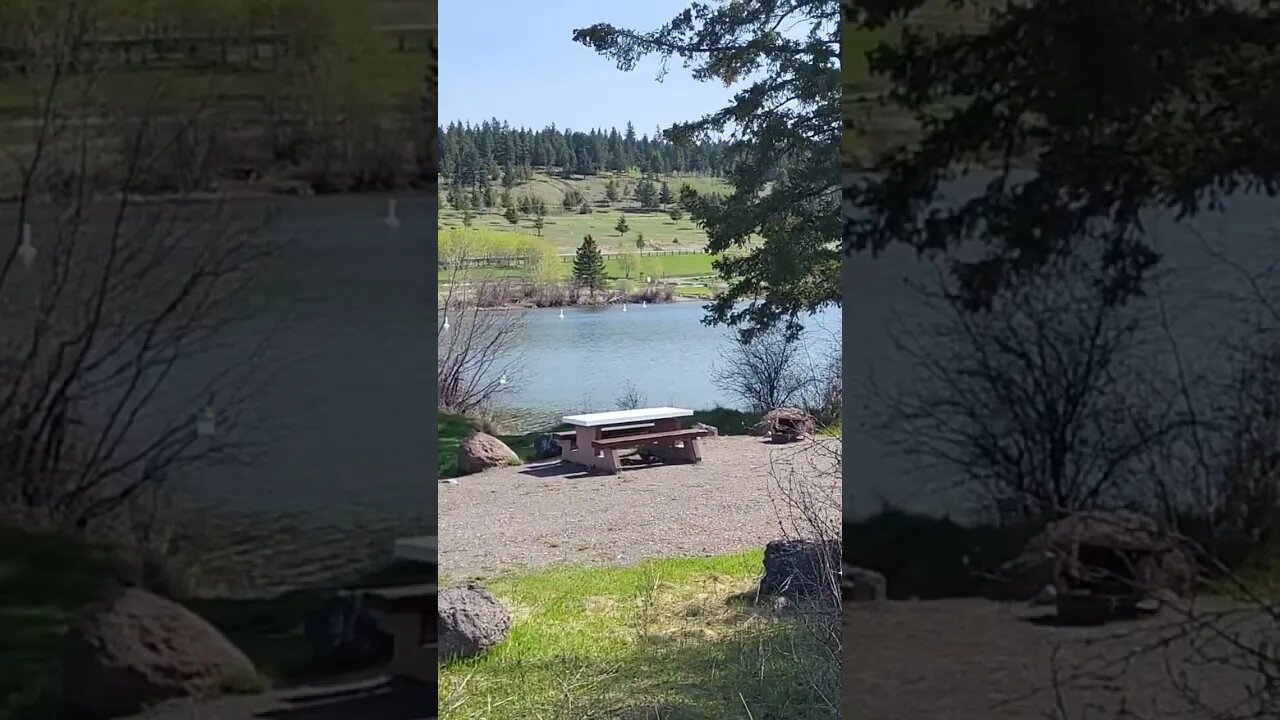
(342,414)
(1196,290)
(584,361)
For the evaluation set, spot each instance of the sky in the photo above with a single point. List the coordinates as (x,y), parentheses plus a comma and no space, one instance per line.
(516,60)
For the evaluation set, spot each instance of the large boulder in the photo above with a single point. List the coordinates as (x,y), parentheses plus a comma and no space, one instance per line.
(862,585)
(133,649)
(480,451)
(471,621)
(800,568)
(786,424)
(1166,567)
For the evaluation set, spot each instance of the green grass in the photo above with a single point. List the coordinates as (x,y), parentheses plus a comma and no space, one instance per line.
(641,267)
(45,578)
(673,638)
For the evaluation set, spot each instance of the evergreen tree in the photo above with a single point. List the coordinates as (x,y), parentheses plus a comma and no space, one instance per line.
(467,216)
(639,241)
(622,227)
(611,191)
(511,215)
(646,195)
(788,84)
(538,223)
(588,265)
(664,197)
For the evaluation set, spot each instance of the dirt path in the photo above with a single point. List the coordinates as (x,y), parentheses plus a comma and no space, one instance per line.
(982,660)
(548,513)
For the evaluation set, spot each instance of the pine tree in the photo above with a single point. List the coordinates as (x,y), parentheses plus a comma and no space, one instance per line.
(645,193)
(622,227)
(539,223)
(511,215)
(588,265)
(664,197)
(611,191)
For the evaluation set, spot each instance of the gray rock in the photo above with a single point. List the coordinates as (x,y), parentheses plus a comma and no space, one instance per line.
(134,649)
(800,568)
(862,585)
(712,430)
(471,621)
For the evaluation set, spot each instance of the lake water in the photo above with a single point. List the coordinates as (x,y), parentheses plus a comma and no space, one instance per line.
(585,360)
(1197,261)
(341,413)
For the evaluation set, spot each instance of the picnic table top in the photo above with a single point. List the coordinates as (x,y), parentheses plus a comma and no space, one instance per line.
(419,549)
(619,417)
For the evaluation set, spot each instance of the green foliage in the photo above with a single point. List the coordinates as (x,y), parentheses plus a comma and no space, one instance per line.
(588,265)
(1112,107)
(511,215)
(621,226)
(790,91)
(646,193)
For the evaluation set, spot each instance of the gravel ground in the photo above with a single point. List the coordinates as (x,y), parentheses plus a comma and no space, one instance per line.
(980,660)
(546,513)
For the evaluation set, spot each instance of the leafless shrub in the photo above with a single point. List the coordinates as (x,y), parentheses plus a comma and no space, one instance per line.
(107,300)
(806,492)
(478,356)
(1042,398)
(766,373)
(630,398)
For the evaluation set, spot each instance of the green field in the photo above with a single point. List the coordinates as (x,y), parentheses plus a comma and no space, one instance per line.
(681,638)
(566,228)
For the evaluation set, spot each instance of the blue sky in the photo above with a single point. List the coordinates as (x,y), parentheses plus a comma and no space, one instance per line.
(516,60)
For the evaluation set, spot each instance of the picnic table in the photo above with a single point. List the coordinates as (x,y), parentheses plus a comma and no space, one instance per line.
(406,613)
(598,439)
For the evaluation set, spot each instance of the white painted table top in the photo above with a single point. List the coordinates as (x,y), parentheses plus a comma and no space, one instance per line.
(622,417)
(419,549)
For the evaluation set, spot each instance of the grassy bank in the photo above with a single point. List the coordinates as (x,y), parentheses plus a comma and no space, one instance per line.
(677,638)
(452,429)
(45,578)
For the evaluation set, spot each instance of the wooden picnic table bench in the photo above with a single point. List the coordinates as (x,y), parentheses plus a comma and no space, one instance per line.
(598,437)
(407,614)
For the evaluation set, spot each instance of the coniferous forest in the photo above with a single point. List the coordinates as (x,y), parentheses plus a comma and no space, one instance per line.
(477,155)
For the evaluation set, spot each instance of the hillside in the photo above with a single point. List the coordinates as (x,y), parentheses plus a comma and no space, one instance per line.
(566,228)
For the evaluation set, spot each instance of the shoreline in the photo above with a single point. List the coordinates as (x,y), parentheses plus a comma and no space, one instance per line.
(529,305)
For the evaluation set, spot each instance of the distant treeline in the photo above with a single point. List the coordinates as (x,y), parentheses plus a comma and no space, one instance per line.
(477,155)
